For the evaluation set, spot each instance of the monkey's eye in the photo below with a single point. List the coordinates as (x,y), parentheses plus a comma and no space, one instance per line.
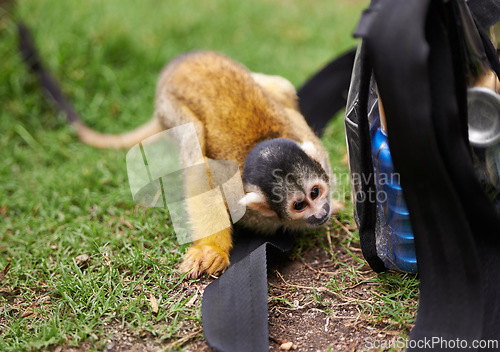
(301,205)
(315,193)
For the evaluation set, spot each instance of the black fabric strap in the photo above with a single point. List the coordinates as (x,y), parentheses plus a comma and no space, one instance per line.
(486,12)
(50,87)
(366,208)
(234,309)
(323,95)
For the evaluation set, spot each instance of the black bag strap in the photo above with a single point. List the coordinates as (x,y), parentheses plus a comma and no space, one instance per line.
(485,11)
(325,93)
(366,208)
(49,85)
(234,309)
(455,226)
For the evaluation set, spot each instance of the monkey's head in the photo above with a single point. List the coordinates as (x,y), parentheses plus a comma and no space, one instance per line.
(284,181)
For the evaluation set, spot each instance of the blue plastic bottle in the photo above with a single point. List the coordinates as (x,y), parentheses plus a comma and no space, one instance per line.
(395,243)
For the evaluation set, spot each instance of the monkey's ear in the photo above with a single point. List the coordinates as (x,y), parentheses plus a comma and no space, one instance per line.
(257,202)
(310,149)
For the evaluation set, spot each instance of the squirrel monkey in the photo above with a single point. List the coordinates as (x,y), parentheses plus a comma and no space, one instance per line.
(253,120)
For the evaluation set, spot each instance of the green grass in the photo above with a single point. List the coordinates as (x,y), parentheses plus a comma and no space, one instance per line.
(60,199)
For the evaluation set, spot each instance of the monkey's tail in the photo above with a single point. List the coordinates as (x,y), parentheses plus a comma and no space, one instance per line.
(52,91)
(124,140)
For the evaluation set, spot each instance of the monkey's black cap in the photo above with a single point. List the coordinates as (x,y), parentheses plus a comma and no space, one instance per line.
(271,162)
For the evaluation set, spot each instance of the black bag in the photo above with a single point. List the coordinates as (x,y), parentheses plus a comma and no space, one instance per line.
(422,59)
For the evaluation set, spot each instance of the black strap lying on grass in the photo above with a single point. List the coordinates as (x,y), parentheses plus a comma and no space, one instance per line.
(234,311)
(455,226)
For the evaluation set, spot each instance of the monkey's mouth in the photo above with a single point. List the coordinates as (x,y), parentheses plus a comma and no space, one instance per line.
(312,220)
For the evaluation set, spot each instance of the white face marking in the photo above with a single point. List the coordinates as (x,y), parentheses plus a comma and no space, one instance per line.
(309,148)
(314,203)
(249,198)
(314,153)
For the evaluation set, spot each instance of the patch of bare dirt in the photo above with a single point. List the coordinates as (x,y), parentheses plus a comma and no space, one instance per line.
(120,340)
(303,310)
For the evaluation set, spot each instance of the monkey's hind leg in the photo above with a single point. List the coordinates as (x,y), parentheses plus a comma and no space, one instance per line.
(172,113)
(279,88)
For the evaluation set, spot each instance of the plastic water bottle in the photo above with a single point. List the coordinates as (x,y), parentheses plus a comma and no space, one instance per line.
(395,242)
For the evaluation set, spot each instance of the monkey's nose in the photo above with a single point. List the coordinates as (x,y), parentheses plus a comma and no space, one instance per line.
(326,208)
(321,217)
(323,211)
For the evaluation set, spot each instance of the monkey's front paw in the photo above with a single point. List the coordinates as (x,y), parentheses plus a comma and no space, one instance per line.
(204,258)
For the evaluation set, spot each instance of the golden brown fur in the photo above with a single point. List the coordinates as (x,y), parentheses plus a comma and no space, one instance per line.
(231,108)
